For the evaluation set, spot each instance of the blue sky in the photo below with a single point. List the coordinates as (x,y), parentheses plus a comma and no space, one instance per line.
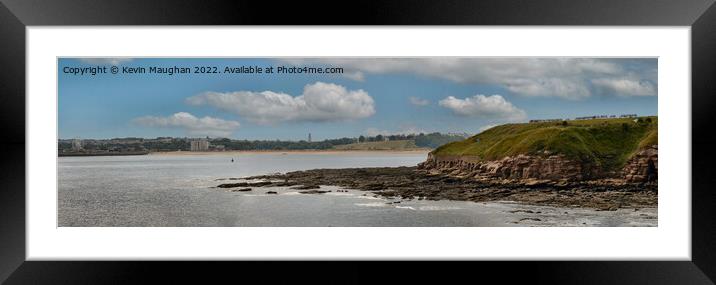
(372,96)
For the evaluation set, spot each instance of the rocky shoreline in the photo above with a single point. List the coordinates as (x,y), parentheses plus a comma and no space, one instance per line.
(641,167)
(416,183)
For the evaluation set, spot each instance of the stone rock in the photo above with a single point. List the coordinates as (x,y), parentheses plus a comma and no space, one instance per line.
(519,167)
(241,190)
(245,184)
(643,166)
(306,187)
(314,192)
(536,170)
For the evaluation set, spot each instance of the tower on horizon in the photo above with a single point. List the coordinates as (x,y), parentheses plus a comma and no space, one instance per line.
(309,137)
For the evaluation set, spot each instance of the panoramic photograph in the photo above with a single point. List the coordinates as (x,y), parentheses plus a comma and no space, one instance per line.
(357,142)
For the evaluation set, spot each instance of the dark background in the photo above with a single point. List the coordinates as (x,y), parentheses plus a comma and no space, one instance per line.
(16,14)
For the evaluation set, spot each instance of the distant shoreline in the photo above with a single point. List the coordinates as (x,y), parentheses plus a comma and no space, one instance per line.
(113,153)
(311,151)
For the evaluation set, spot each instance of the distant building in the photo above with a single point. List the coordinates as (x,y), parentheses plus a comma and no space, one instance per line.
(606,117)
(76,144)
(164,139)
(463,134)
(585,118)
(546,120)
(199,145)
(309,137)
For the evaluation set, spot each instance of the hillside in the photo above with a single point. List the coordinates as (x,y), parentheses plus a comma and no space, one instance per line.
(381,145)
(605,143)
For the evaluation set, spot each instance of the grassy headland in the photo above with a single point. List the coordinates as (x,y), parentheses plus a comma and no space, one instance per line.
(605,142)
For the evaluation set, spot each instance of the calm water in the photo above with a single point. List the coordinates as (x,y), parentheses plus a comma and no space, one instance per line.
(177,191)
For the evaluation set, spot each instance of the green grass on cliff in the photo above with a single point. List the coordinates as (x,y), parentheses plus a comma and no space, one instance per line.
(606,142)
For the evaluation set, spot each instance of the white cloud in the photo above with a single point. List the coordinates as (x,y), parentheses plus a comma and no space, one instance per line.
(569,78)
(206,126)
(320,102)
(626,87)
(494,106)
(419,101)
(105,61)
(559,87)
(355,75)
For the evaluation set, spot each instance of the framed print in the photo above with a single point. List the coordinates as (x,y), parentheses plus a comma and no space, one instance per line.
(198,132)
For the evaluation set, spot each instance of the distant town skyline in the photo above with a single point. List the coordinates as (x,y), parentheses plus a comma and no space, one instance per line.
(369,96)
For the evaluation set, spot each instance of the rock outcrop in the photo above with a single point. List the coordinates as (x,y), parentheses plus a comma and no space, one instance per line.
(541,167)
(552,167)
(405,183)
(643,166)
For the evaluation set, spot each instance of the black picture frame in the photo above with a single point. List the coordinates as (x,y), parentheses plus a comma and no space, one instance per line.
(700,15)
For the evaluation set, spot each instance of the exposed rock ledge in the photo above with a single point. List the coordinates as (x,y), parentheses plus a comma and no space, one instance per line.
(410,183)
(643,166)
(640,168)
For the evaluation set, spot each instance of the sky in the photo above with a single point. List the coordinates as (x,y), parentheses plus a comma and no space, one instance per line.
(371,96)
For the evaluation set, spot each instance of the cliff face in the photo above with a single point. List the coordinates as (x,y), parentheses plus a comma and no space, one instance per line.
(622,150)
(643,166)
(542,167)
(554,167)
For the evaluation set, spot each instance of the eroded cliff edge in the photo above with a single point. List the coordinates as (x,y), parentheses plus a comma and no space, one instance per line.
(618,150)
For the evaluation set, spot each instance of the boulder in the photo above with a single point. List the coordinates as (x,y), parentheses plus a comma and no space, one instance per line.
(245,184)
(314,192)
(241,190)
(306,187)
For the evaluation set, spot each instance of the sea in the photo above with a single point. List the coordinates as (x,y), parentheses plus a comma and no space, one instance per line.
(179,190)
